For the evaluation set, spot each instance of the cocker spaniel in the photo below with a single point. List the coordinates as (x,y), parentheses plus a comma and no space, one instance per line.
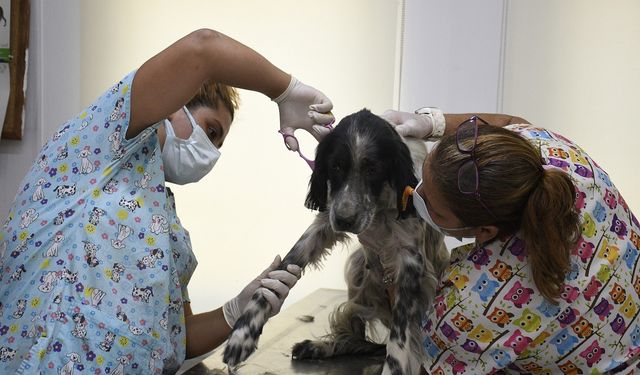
(358,186)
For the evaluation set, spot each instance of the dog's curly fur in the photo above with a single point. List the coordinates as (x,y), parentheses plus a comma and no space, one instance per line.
(361,171)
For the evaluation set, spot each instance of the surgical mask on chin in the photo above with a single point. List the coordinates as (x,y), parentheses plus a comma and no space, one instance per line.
(423,212)
(187,160)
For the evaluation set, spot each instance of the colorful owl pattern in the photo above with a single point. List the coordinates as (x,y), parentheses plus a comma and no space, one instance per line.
(489,317)
(94,260)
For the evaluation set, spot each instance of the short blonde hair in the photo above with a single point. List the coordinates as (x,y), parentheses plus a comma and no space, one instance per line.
(211,94)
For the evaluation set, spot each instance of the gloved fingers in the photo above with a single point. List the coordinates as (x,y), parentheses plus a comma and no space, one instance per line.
(274,301)
(392,117)
(286,277)
(274,265)
(295,269)
(276,286)
(403,130)
(321,118)
(324,106)
(320,131)
(408,124)
(417,126)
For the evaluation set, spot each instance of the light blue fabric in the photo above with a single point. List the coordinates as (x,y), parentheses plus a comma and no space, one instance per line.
(94,260)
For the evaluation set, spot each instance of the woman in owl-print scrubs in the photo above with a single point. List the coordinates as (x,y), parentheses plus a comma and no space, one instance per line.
(551,284)
(94,263)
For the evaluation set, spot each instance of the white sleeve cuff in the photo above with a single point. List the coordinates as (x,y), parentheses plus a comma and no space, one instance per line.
(437,121)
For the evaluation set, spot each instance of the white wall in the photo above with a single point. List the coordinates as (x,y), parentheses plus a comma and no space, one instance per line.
(452,55)
(251,207)
(574,66)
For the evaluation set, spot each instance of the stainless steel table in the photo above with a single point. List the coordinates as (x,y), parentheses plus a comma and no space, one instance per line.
(282,332)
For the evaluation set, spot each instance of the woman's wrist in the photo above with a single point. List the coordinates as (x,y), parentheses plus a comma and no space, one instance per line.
(205,332)
(435,117)
(283,83)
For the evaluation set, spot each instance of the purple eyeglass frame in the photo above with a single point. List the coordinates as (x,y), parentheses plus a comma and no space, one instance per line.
(472,159)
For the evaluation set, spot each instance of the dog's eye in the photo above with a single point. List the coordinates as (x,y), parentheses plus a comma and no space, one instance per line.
(336,168)
(370,170)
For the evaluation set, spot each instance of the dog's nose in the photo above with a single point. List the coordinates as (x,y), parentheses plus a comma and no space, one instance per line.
(345,223)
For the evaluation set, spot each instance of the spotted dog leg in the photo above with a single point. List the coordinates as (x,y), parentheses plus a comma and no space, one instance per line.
(243,340)
(347,323)
(404,352)
(347,337)
(310,249)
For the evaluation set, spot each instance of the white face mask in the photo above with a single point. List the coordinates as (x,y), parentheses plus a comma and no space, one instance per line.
(423,212)
(187,160)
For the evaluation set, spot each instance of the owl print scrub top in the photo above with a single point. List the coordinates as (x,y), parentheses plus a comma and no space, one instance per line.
(489,317)
(94,260)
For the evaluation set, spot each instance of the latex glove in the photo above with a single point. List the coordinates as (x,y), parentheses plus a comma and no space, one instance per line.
(409,124)
(274,286)
(303,107)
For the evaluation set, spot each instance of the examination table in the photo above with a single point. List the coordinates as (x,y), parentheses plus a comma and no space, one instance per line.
(292,325)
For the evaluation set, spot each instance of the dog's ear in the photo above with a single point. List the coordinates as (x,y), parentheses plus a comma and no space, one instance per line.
(317,195)
(403,175)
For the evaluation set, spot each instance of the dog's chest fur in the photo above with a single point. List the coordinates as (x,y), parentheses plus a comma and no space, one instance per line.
(385,238)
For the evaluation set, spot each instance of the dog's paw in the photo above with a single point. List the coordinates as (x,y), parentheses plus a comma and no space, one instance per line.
(247,330)
(239,346)
(308,349)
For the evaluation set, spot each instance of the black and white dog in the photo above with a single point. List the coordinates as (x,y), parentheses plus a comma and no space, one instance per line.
(361,172)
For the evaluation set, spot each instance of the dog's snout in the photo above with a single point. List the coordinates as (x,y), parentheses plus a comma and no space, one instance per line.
(350,212)
(345,222)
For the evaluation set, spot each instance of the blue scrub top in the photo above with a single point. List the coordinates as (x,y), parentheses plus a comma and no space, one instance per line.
(94,260)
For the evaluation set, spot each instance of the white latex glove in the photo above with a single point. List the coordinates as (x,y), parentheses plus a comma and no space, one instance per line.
(274,286)
(409,124)
(303,107)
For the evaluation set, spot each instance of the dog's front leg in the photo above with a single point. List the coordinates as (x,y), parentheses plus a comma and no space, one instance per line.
(403,348)
(314,244)
(311,248)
